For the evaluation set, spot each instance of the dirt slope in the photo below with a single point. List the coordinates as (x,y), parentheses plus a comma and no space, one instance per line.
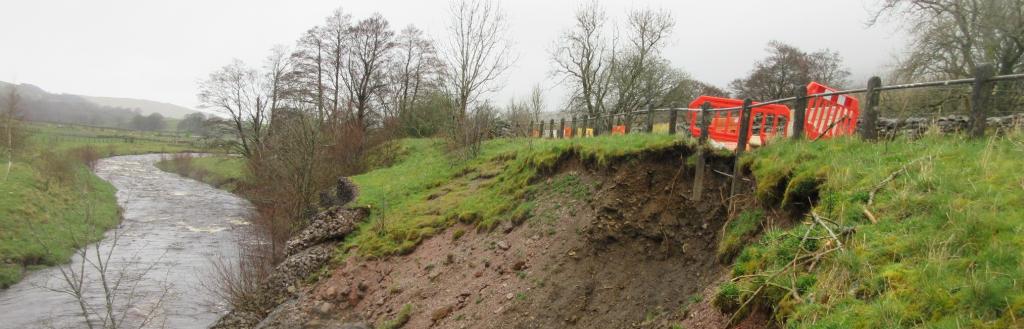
(604,248)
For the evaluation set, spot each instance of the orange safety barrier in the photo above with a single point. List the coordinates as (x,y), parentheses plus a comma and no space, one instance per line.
(830,115)
(766,121)
(567,132)
(619,130)
(535,133)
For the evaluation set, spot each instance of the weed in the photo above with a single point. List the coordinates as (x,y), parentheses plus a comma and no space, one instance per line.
(399,320)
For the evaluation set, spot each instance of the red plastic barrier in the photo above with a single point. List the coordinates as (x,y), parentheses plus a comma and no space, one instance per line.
(766,121)
(830,115)
(619,130)
(567,132)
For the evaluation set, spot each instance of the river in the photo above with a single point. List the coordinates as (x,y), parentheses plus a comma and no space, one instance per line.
(173,230)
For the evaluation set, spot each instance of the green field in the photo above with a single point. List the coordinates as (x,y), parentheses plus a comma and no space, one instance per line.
(945,251)
(51,203)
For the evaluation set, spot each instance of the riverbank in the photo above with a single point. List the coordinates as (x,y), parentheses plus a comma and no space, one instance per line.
(601,232)
(52,203)
(173,234)
(225,172)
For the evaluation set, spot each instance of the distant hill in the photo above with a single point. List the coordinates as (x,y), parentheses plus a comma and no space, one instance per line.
(39,105)
(145,106)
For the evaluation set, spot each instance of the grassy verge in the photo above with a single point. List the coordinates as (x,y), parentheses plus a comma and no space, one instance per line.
(224,172)
(945,251)
(51,203)
(429,189)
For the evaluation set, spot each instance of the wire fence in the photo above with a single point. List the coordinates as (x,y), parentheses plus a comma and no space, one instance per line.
(990,101)
(969,108)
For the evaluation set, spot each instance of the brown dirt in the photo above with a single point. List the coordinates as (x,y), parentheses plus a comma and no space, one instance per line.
(627,250)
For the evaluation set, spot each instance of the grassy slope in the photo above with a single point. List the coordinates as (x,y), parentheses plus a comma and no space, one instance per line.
(220,171)
(946,252)
(37,210)
(428,191)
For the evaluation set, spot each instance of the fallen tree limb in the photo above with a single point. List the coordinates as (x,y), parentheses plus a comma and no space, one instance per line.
(822,223)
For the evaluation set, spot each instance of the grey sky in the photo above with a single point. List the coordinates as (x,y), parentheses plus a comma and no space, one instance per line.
(158,50)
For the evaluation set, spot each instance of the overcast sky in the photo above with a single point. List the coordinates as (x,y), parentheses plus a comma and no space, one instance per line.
(158,50)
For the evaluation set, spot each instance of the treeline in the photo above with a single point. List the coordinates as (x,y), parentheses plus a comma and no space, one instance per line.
(38,105)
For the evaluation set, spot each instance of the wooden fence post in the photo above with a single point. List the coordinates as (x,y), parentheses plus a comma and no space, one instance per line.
(698,174)
(530,133)
(540,131)
(741,145)
(981,93)
(799,112)
(673,115)
(572,127)
(561,128)
(551,124)
(869,126)
(650,119)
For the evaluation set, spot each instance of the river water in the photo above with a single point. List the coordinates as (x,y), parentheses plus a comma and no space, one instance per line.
(174,229)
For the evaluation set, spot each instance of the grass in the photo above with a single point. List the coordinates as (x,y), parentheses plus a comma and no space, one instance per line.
(945,253)
(400,319)
(429,190)
(52,204)
(221,171)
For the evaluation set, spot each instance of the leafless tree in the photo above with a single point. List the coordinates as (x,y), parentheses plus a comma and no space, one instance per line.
(336,35)
(277,66)
(580,58)
(477,52)
(952,36)
(648,31)
(11,121)
(413,72)
(371,41)
(308,79)
(787,67)
(107,290)
(239,92)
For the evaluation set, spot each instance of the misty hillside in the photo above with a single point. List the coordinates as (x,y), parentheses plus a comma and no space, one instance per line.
(145,106)
(36,104)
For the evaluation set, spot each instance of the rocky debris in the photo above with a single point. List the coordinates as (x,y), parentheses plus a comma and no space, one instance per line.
(333,224)
(503,245)
(307,253)
(344,192)
(441,313)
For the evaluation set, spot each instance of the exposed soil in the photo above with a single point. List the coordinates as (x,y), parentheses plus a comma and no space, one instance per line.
(620,247)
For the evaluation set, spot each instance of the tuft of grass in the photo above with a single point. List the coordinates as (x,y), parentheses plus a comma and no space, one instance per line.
(400,319)
(428,190)
(737,231)
(944,253)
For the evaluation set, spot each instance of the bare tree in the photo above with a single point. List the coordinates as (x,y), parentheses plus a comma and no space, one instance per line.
(580,59)
(106,290)
(11,123)
(370,45)
(477,52)
(336,39)
(277,65)
(239,92)
(788,67)
(637,80)
(413,72)
(952,36)
(536,102)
